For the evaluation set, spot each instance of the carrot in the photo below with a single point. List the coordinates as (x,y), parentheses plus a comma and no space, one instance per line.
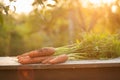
(22,55)
(29,60)
(47,51)
(46,61)
(59,59)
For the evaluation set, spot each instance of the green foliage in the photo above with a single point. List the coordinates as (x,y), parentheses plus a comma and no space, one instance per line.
(93,46)
(58,25)
(1,20)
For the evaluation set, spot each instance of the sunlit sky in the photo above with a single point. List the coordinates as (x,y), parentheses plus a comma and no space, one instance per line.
(25,6)
(97,2)
(22,6)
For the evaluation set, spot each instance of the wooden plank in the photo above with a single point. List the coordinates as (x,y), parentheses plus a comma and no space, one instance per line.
(10,69)
(11,63)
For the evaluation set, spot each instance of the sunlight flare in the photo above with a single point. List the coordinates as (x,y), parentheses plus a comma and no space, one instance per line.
(25,6)
(114,9)
(22,6)
(100,2)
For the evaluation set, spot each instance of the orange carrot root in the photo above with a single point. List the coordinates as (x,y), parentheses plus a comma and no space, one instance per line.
(47,51)
(29,60)
(59,59)
(42,52)
(22,55)
(46,61)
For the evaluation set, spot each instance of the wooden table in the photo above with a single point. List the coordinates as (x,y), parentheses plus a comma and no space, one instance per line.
(10,69)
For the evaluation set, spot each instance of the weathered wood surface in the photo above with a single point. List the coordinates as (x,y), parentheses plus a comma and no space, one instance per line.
(10,69)
(11,63)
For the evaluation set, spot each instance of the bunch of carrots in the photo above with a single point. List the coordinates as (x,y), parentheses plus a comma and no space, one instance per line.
(90,46)
(43,55)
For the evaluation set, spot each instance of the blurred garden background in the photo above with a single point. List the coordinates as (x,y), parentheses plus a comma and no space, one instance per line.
(54,23)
